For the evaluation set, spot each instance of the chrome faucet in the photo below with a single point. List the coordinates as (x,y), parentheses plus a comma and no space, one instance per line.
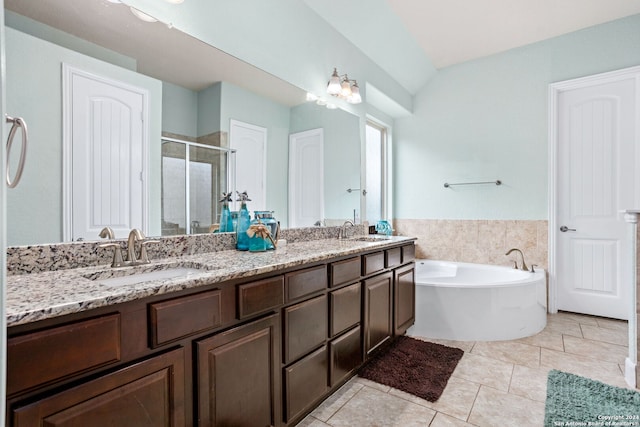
(524,266)
(135,235)
(117,261)
(342,233)
(107,233)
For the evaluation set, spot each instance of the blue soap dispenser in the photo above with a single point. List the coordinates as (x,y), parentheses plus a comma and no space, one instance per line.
(244,221)
(226,222)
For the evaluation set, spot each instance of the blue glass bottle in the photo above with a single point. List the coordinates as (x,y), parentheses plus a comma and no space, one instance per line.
(244,220)
(226,222)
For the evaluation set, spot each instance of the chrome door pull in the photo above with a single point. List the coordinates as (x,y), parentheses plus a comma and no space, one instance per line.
(18,122)
(564,229)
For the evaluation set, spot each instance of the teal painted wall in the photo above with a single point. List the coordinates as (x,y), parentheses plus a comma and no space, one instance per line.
(53,35)
(34,91)
(487,119)
(209,109)
(341,155)
(179,110)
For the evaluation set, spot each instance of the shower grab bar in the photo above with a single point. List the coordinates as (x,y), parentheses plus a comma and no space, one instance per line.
(496,182)
(18,122)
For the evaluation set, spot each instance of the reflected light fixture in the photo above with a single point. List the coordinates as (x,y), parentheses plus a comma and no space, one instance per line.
(141,15)
(344,88)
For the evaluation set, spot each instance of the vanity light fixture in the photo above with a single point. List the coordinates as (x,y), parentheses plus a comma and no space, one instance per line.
(344,88)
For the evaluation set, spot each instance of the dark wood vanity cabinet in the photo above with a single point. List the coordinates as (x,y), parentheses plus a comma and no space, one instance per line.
(148,393)
(237,377)
(404,297)
(378,311)
(247,352)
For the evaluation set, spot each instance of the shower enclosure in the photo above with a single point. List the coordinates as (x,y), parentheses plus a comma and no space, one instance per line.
(194,176)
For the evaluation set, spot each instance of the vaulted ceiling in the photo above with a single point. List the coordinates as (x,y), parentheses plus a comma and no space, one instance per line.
(411,38)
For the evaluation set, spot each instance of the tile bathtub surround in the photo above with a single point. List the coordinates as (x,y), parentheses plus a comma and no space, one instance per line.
(496,383)
(478,241)
(62,256)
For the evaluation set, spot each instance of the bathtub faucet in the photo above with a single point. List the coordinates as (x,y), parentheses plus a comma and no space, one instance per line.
(524,266)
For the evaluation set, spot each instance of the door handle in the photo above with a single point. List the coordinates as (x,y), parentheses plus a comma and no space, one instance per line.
(564,229)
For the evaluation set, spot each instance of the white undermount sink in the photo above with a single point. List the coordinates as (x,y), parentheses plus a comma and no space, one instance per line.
(133,275)
(132,279)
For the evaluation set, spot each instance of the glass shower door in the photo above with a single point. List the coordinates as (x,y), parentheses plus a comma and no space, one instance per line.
(194,176)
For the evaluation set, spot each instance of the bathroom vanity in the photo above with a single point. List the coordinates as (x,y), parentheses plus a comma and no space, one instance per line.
(245,340)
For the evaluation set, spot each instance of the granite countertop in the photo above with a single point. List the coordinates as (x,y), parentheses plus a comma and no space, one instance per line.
(39,296)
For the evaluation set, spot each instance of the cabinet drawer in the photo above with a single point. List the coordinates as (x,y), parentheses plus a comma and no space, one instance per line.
(345,308)
(408,253)
(345,354)
(345,271)
(372,263)
(147,393)
(260,296)
(305,327)
(184,316)
(392,257)
(59,352)
(305,282)
(305,382)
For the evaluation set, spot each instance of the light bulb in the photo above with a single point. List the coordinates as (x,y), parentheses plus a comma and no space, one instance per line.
(142,16)
(345,92)
(355,97)
(333,88)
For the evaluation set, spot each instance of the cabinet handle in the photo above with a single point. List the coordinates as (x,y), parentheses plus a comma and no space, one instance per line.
(18,122)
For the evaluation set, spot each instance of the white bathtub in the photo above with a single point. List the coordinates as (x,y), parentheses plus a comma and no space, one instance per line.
(476,302)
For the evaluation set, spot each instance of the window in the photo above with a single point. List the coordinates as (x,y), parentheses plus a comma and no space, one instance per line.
(376,172)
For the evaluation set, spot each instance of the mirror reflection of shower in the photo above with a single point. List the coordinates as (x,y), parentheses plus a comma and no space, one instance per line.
(193,176)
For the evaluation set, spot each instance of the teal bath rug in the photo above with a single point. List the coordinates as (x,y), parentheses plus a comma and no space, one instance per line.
(576,401)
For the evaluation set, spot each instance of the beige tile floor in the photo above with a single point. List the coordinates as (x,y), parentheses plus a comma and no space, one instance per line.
(498,383)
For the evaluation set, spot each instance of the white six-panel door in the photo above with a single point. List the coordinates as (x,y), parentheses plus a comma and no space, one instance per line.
(250,143)
(105,144)
(306,178)
(597,160)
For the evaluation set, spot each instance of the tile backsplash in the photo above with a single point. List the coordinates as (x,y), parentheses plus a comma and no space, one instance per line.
(477,241)
(61,256)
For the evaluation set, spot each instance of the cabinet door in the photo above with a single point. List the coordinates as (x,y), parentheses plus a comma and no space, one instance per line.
(345,354)
(405,298)
(377,311)
(237,380)
(149,393)
(305,327)
(304,383)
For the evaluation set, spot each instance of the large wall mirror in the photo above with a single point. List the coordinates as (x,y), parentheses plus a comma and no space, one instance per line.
(193,94)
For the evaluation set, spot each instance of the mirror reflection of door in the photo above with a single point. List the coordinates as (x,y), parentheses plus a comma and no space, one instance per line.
(106,144)
(306,178)
(250,143)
